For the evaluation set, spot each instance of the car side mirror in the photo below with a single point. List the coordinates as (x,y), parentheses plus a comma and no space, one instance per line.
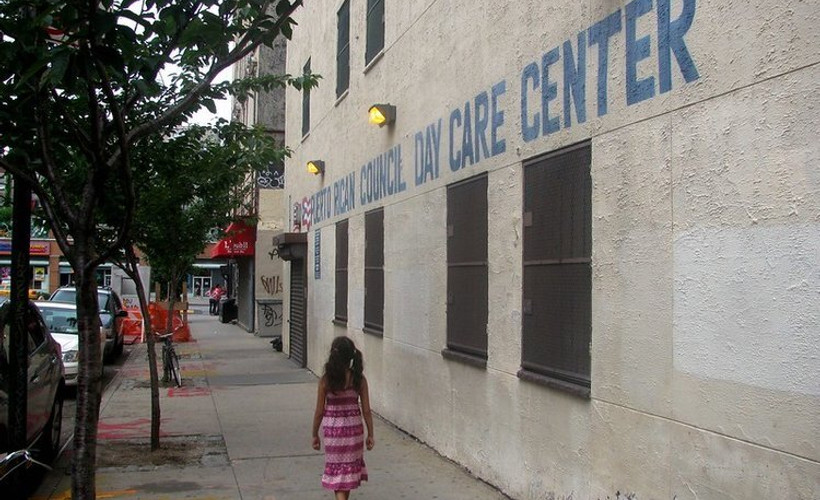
(121,314)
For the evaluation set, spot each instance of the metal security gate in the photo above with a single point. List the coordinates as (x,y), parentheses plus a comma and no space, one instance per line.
(298,312)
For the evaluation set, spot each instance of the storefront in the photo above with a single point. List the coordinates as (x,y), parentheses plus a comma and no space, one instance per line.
(41,269)
(238,248)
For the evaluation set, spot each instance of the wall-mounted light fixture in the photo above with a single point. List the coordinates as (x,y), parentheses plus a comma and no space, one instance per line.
(382,114)
(316,167)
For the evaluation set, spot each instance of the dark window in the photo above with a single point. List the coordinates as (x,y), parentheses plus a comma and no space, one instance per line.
(340,313)
(343,49)
(375,29)
(557,274)
(306,103)
(374,271)
(467,267)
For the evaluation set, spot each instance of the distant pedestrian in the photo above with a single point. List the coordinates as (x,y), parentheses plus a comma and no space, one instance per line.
(341,389)
(215,295)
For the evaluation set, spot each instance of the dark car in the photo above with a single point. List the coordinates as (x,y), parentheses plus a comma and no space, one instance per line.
(46,381)
(111,316)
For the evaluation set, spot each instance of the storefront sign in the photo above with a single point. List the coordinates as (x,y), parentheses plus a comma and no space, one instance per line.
(33,248)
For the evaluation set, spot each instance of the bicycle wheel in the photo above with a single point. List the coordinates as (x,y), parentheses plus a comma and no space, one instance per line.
(166,365)
(176,375)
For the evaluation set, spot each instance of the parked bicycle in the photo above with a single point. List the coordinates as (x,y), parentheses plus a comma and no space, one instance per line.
(170,360)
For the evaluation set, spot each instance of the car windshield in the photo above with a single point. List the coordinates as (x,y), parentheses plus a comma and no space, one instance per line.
(60,320)
(70,297)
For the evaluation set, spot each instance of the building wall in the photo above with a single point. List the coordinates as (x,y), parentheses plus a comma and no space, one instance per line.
(705,222)
(269,277)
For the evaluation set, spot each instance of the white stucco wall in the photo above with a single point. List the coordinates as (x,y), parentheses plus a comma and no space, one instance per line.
(705,218)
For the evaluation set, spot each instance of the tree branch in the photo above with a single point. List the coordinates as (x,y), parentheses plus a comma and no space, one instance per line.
(194,94)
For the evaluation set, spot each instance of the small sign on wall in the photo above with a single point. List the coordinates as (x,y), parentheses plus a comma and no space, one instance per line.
(317,254)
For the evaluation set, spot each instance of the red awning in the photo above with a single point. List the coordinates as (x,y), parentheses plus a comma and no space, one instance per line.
(239,241)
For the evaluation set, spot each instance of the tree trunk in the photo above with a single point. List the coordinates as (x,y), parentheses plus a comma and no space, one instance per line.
(89,381)
(18,341)
(133,272)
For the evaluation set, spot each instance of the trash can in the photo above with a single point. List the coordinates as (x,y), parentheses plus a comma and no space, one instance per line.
(227,310)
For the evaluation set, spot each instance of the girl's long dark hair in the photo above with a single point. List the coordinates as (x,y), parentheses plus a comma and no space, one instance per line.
(343,356)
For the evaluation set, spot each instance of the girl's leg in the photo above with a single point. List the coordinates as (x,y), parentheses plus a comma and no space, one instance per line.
(342,495)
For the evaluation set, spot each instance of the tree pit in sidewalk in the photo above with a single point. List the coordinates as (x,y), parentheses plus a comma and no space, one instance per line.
(174,451)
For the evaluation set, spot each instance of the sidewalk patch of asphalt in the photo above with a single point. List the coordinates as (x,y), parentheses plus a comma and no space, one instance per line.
(174,451)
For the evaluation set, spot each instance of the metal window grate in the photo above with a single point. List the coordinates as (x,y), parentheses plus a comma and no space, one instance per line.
(340,312)
(467,292)
(375,29)
(557,274)
(374,270)
(298,312)
(306,103)
(343,49)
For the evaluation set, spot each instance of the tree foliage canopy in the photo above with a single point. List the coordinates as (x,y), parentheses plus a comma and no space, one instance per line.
(82,82)
(194,180)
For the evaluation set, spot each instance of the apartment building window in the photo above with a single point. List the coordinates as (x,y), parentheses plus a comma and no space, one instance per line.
(375,29)
(343,49)
(306,103)
(340,310)
(374,271)
(467,271)
(557,274)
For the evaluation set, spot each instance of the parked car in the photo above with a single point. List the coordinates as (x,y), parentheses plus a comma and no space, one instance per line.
(111,316)
(61,320)
(46,381)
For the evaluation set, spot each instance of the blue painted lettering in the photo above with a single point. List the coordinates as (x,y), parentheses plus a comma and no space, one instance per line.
(529,132)
(467,137)
(344,194)
(549,91)
(433,145)
(455,156)
(419,158)
(381,176)
(637,90)
(599,34)
(498,145)
(670,39)
(575,81)
(482,119)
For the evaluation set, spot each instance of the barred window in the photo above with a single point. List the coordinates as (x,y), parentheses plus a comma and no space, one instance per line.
(343,49)
(375,29)
(557,274)
(306,103)
(374,271)
(467,270)
(340,311)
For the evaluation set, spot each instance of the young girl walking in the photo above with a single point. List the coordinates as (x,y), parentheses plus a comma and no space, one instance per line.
(342,387)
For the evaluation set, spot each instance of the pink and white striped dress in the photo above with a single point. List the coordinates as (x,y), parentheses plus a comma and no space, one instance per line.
(343,433)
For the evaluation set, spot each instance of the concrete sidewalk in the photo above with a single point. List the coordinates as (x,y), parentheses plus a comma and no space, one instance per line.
(239,428)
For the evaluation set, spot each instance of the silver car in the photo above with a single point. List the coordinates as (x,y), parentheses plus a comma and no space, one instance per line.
(61,320)
(46,381)
(111,316)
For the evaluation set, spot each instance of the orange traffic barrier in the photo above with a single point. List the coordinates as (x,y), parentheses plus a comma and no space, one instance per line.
(132,326)
(134,331)
(159,321)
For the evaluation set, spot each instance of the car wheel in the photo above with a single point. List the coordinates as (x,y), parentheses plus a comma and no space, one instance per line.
(49,441)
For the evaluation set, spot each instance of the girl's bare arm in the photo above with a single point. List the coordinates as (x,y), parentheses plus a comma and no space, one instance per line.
(364,394)
(318,412)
